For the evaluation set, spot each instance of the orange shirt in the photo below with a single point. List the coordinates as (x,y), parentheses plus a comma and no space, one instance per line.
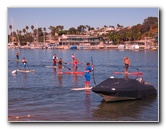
(127,61)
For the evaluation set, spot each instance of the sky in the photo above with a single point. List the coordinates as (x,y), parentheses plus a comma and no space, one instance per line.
(95,17)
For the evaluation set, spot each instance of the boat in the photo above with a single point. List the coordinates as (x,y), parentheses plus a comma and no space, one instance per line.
(25,71)
(121,47)
(120,89)
(135,47)
(73,47)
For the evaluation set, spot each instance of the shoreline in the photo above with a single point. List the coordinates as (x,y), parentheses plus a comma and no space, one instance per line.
(96,47)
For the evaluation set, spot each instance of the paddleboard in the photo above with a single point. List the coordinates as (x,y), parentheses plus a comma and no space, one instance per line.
(25,71)
(15,60)
(131,73)
(73,72)
(51,66)
(83,88)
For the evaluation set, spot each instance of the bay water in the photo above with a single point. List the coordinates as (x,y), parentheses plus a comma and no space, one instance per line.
(45,96)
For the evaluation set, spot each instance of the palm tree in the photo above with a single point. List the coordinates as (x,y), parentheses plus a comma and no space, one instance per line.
(10,26)
(24,30)
(27,28)
(32,27)
(44,34)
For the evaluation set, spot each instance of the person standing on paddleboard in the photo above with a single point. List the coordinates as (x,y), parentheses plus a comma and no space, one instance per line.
(55,58)
(87,71)
(75,64)
(17,56)
(127,63)
(24,63)
(73,57)
(60,66)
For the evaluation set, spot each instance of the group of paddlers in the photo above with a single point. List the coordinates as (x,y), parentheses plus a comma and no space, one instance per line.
(75,63)
(89,68)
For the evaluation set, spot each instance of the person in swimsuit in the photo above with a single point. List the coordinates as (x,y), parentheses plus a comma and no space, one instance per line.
(60,66)
(24,63)
(73,57)
(87,71)
(54,59)
(75,64)
(127,63)
(17,56)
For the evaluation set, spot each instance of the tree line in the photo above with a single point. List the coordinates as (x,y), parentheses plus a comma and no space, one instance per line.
(149,28)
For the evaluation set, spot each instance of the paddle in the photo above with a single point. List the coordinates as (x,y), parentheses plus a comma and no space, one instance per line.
(64,62)
(66,67)
(135,68)
(27,66)
(93,71)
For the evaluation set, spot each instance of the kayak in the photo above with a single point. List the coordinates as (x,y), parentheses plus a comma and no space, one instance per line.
(25,71)
(83,88)
(132,73)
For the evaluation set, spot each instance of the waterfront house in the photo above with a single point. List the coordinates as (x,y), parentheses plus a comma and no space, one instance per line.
(80,41)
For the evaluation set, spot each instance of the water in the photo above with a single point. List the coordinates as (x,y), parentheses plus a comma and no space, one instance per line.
(47,96)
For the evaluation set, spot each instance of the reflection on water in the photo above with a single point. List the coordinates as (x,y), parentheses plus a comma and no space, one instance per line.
(124,110)
(75,80)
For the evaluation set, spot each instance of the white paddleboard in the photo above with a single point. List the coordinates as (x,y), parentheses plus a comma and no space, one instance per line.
(25,71)
(51,66)
(83,88)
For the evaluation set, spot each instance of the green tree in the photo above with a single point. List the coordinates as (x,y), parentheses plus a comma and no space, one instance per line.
(27,28)
(148,22)
(24,31)
(32,27)
(72,30)
(10,27)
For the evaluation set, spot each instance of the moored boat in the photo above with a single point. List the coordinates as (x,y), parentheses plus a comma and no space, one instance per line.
(120,89)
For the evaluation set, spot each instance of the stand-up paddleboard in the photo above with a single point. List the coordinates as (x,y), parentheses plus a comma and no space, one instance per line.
(80,73)
(25,71)
(15,60)
(131,73)
(51,66)
(73,72)
(79,63)
(83,88)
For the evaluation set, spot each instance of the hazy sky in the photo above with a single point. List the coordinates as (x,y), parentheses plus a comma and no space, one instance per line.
(73,17)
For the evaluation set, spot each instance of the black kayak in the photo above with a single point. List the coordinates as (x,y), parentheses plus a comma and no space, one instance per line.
(119,89)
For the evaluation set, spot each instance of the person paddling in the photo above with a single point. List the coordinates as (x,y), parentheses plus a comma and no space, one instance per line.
(24,63)
(127,63)
(75,64)
(60,66)
(87,71)
(73,57)
(55,58)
